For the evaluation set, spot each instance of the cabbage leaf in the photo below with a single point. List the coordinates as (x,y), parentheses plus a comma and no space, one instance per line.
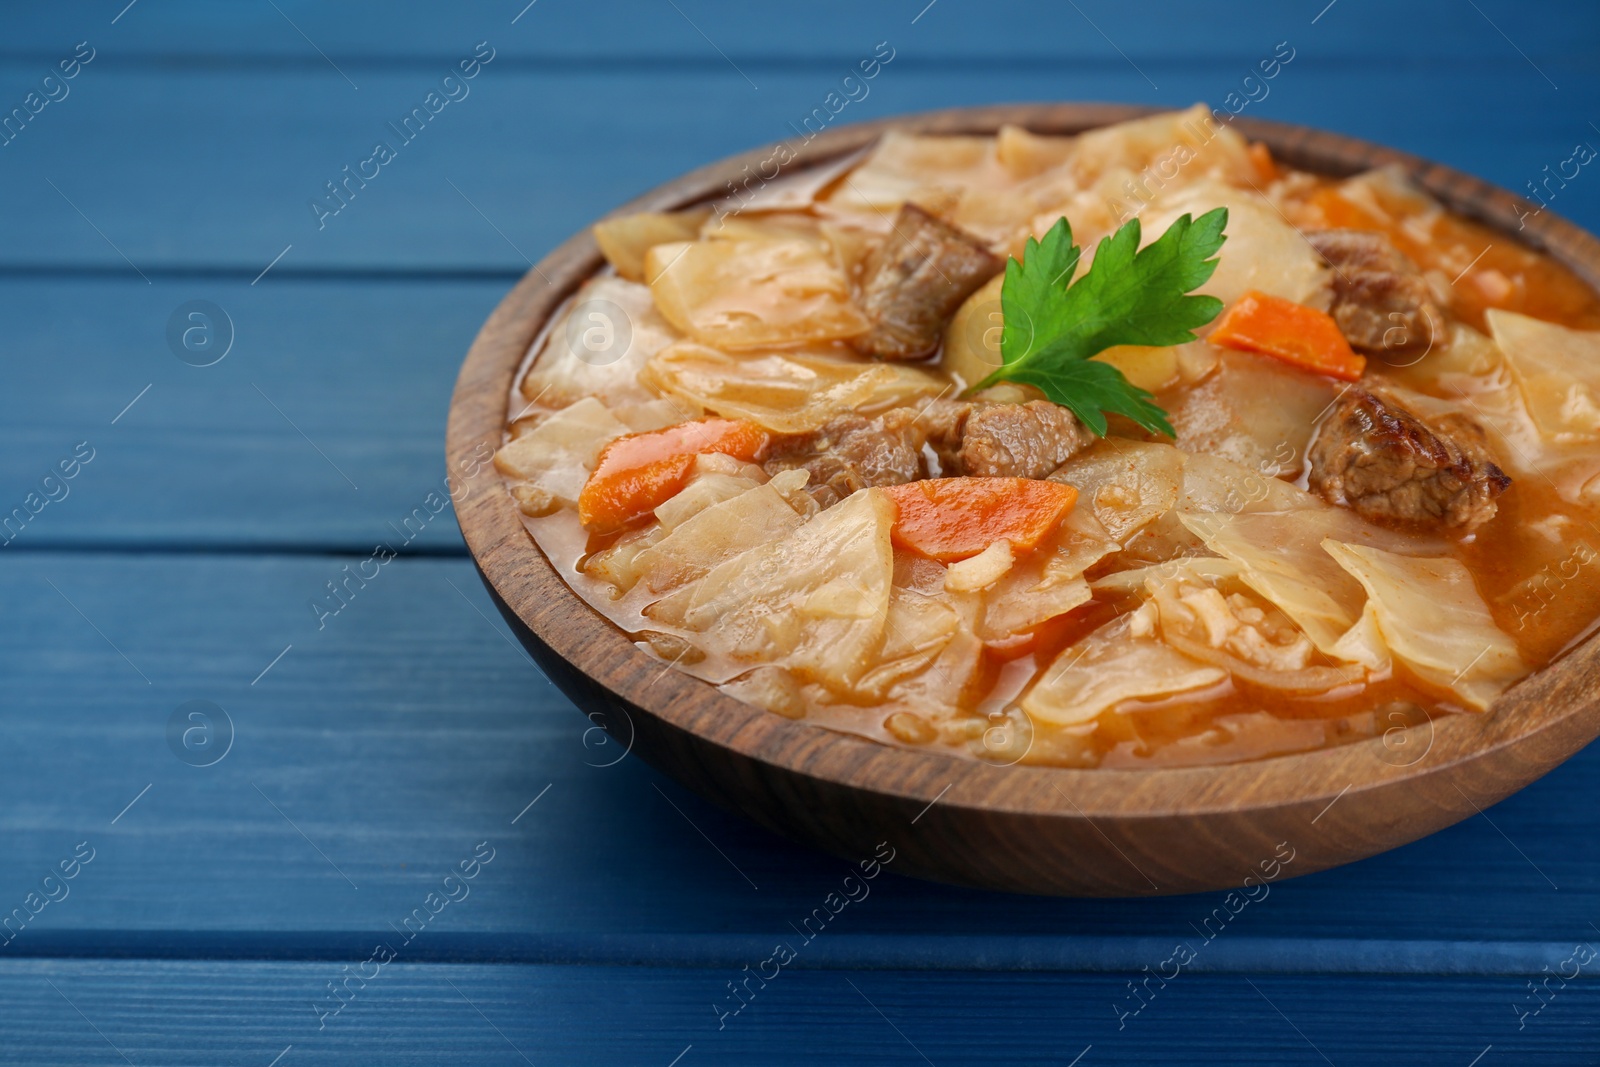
(1126,484)
(1557,370)
(556,456)
(1108,667)
(1432,618)
(746,294)
(1283,559)
(814,602)
(795,392)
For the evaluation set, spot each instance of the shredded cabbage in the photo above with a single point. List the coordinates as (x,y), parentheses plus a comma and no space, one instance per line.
(1133,580)
(1281,553)
(1214,484)
(1281,558)
(1020,606)
(906,165)
(1025,154)
(625,240)
(917,630)
(1211,483)
(1045,584)
(974,182)
(705,488)
(1191,139)
(1244,635)
(934,689)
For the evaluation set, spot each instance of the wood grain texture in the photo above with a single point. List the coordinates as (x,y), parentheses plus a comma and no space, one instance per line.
(373,32)
(408,730)
(1018,828)
(324,383)
(540,151)
(86,1013)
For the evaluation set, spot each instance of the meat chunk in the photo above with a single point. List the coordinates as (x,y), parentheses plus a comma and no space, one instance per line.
(1004,440)
(1391,466)
(1381,302)
(914,282)
(853,452)
(944,438)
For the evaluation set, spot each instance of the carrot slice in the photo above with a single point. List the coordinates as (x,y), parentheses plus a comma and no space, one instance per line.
(639,472)
(951,519)
(1261,158)
(1292,332)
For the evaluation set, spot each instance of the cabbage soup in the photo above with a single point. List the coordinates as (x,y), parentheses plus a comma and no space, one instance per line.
(1135,448)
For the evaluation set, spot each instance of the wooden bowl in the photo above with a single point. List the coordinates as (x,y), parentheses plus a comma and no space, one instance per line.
(1024,829)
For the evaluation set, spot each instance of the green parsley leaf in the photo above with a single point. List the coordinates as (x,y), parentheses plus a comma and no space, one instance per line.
(1129,296)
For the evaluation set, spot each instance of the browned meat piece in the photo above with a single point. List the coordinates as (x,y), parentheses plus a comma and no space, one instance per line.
(942,439)
(1390,466)
(854,452)
(914,282)
(1003,440)
(1380,300)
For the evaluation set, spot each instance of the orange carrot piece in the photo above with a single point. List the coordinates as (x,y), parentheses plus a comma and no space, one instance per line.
(951,519)
(1261,159)
(639,472)
(1292,332)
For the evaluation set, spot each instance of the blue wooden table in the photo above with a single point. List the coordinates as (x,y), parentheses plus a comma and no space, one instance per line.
(386,838)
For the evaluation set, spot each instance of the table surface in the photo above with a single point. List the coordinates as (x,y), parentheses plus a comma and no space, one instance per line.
(306,897)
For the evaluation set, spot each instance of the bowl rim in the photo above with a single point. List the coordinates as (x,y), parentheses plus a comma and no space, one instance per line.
(1552,702)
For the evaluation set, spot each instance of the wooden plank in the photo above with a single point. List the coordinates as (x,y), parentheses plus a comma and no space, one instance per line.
(216,170)
(321,427)
(831,29)
(98,1012)
(372,757)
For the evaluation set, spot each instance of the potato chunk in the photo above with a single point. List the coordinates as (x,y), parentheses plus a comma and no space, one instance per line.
(1254,410)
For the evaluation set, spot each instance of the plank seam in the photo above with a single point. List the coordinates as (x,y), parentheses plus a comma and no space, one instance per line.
(899,952)
(611,62)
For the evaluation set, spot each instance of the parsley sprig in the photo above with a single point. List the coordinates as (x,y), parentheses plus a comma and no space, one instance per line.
(1128,296)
